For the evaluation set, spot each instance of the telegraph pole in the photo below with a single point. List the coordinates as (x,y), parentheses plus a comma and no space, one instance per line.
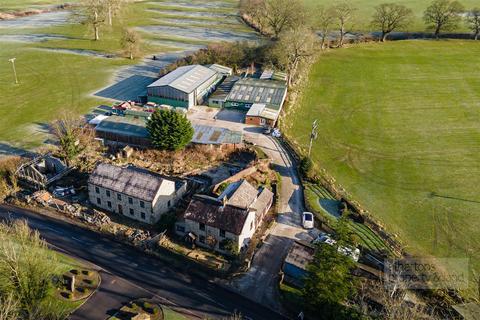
(313,136)
(14,70)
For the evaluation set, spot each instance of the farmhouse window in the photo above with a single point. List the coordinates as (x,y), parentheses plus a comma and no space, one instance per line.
(222,233)
(132,212)
(108,193)
(180,228)
(119,197)
(202,226)
(99,201)
(109,204)
(142,204)
(97,190)
(202,239)
(130,200)
(142,214)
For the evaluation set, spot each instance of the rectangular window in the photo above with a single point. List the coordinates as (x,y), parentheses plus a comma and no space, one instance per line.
(108,193)
(142,204)
(109,204)
(142,214)
(251,225)
(97,190)
(202,239)
(202,226)
(132,212)
(169,203)
(99,201)
(130,200)
(181,228)
(222,233)
(119,197)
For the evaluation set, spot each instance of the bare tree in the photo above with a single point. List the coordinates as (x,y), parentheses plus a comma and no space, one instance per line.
(443,15)
(131,42)
(253,9)
(344,12)
(281,15)
(391,16)
(112,9)
(324,19)
(294,46)
(93,14)
(473,20)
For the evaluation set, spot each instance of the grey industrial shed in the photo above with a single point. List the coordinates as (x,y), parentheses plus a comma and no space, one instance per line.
(184,87)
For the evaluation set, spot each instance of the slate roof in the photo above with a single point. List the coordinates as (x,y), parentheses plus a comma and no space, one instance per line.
(211,212)
(131,181)
(263,200)
(251,90)
(185,79)
(240,194)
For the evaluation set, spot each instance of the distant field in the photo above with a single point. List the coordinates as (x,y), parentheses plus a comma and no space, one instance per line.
(365,9)
(14,5)
(399,129)
(59,66)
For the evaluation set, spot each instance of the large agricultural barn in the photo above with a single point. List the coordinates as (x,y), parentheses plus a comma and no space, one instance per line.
(185,86)
(248,91)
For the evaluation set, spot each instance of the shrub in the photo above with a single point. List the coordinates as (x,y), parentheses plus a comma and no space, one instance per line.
(306,166)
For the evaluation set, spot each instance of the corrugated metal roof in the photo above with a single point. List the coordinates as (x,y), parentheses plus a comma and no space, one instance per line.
(224,88)
(185,79)
(130,126)
(262,110)
(221,69)
(215,135)
(251,90)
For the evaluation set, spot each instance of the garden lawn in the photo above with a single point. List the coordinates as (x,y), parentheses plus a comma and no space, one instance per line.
(399,129)
(366,8)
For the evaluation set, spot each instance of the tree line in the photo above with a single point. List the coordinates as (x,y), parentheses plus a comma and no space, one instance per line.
(275,17)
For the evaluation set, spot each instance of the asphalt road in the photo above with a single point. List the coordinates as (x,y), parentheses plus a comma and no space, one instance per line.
(128,273)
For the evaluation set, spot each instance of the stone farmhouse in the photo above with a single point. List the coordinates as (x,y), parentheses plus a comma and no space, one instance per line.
(133,192)
(235,215)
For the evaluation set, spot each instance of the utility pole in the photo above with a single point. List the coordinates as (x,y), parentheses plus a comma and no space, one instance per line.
(313,136)
(14,70)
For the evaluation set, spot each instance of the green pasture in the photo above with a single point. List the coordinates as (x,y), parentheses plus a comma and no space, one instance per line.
(53,81)
(365,9)
(17,5)
(399,130)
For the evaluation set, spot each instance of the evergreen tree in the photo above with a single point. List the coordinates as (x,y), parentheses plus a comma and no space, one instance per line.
(329,283)
(169,130)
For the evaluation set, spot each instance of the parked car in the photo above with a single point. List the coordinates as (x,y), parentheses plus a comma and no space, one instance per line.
(267,131)
(276,133)
(307,220)
(353,253)
(63,192)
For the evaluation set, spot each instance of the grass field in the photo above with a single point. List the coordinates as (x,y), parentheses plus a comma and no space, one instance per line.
(51,80)
(365,9)
(399,129)
(15,5)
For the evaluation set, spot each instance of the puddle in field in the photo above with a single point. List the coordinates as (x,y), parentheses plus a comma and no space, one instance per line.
(191,14)
(197,22)
(89,53)
(199,33)
(40,37)
(195,5)
(42,20)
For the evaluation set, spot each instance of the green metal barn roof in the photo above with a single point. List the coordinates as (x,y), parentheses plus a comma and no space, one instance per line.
(251,90)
